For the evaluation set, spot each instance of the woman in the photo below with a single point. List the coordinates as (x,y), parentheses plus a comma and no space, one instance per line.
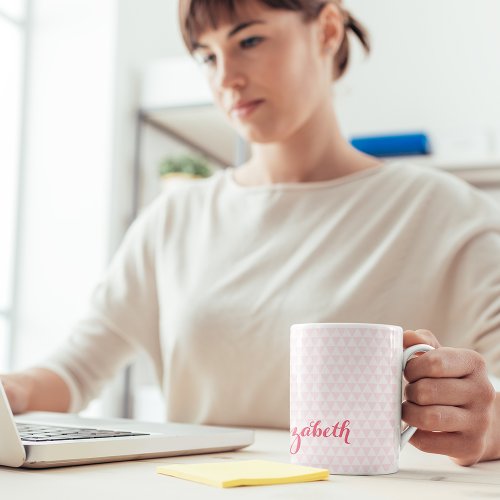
(210,277)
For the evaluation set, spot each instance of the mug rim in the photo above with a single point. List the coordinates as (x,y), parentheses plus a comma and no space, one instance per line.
(343,325)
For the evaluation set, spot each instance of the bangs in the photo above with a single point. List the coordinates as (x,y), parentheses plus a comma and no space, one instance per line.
(196,16)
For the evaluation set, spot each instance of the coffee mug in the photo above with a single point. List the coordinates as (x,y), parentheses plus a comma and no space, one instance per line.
(346,395)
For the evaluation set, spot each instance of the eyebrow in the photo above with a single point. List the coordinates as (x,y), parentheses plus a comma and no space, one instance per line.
(233,32)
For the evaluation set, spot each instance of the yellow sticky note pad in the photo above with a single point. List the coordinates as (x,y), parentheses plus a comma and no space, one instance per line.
(244,473)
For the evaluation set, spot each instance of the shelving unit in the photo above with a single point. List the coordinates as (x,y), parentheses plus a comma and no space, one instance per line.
(202,128)
(199,127)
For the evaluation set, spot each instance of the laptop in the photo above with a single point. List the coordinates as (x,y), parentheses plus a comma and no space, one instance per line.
(43,439)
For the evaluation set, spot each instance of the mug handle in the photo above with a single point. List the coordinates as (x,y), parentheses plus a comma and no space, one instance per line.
(407,354)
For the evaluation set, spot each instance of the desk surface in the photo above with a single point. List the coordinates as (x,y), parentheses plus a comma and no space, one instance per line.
(421,476)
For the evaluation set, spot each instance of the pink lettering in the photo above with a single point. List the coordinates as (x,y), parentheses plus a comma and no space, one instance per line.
(335,429)
(314,430)
(295,446)
(345,425)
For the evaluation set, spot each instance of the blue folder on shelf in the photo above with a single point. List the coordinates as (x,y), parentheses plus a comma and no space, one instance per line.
(393,145)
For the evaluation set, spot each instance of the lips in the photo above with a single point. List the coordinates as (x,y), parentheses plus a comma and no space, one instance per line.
(245,108)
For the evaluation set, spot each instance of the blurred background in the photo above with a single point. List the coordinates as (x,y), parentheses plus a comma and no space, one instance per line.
(98,98)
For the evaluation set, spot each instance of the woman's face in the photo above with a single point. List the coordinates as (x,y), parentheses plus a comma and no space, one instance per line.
(268,71)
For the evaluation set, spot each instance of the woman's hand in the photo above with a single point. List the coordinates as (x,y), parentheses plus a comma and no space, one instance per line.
(449,391)
(36,389)
(17,391)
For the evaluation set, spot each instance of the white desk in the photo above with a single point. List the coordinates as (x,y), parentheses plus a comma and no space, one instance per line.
(422,476)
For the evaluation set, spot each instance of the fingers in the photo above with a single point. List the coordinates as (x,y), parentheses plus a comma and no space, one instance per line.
(16,396)
(412,337)
(429,391)
(454,444)
(449,399)
(445,362)
(436,417)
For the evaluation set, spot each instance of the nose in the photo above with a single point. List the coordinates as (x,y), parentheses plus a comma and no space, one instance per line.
(229,75)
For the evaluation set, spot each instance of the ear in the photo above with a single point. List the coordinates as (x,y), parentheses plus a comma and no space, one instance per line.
(331,28)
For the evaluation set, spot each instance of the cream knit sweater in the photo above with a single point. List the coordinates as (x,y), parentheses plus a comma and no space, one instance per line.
(212,274)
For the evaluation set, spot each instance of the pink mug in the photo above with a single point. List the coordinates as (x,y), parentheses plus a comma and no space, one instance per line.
(345,396)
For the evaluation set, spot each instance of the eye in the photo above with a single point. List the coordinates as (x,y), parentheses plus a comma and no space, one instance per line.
(210,59)
(207,59)
(250,42)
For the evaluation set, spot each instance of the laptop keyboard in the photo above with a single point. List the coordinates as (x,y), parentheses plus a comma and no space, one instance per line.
(37,432)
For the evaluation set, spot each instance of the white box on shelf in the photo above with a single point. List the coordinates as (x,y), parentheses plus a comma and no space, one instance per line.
(174,82)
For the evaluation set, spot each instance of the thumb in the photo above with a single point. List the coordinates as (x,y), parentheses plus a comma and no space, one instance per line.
(413,337)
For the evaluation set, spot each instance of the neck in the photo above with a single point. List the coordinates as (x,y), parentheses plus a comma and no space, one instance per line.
(315,152)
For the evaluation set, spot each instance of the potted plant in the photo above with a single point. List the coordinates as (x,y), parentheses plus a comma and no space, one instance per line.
(184,167)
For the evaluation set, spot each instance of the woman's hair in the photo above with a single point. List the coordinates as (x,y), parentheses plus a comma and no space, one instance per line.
(196,15)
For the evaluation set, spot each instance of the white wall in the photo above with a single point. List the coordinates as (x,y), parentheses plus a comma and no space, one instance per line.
(435,65)
(11,87)
(67,183)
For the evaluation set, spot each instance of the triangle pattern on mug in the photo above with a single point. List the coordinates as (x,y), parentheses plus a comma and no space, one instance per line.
(345,399)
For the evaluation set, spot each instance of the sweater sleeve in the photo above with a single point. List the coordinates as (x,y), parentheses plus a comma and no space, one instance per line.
(474,290)
(465,257)
(122,316)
